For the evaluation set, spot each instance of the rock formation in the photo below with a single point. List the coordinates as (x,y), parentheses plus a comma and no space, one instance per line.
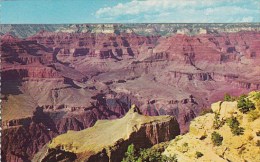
(197,145)
(107,140)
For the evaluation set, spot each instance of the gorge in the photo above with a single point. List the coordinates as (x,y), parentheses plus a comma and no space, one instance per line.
(56,81)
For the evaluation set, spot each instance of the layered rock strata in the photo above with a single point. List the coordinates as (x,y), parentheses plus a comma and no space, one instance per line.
(78,78)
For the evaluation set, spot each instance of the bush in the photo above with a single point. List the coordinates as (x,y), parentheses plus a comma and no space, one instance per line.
(232,122)
(203,112)
(227,97)
(238,131)
(131,154)
(153,155)
(216,138)
(217,123)
(146,155)
(234,126)
(198,154)
(244,104)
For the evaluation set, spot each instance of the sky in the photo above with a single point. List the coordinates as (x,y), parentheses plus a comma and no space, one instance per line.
(128,11)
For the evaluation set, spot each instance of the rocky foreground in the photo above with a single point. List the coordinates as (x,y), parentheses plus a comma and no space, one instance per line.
(238,140)
(108,140)
(229,132)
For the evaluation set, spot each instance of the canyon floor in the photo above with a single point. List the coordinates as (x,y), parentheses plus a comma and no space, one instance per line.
(67,79)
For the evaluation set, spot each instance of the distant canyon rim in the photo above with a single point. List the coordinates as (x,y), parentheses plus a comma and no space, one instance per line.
(66,77)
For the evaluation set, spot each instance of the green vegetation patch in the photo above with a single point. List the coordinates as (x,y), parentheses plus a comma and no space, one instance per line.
(217,123)
(146,155)
(216,138)
(244,104)
(206,111)
(228,97)
(233,123)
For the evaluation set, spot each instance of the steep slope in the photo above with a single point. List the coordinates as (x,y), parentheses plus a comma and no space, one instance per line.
(108,140)
(237,140)
(23,136)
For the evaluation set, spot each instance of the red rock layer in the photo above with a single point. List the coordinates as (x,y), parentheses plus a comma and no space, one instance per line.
(197,69)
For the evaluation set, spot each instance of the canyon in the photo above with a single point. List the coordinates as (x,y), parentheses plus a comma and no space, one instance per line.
(57,81)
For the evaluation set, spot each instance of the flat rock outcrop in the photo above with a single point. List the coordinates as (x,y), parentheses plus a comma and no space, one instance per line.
(107,140)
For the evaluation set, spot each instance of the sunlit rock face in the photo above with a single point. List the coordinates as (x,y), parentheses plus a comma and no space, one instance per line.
(76,78)
(85,145)
(197,145)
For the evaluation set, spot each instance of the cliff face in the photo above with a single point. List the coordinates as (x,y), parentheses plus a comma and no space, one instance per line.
(79,77)
(223,48)
(197,145)
(23,137)
(99,143)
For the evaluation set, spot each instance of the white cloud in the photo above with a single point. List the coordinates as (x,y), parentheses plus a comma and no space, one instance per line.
(247,19)
(137,7)
(182,11)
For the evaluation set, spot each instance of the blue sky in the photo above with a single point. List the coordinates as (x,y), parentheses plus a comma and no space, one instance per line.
(128,11)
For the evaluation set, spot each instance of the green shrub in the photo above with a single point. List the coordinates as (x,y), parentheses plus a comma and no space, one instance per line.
(153,155)
(227,97)
(198,154)
(234,126)
(217,123)
(203,112)
(146,155)
(216,138)
(232,122)
(131,154)
(238,131)
(244,104)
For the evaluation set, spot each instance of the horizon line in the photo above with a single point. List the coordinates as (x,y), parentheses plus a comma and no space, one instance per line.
(127,23)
